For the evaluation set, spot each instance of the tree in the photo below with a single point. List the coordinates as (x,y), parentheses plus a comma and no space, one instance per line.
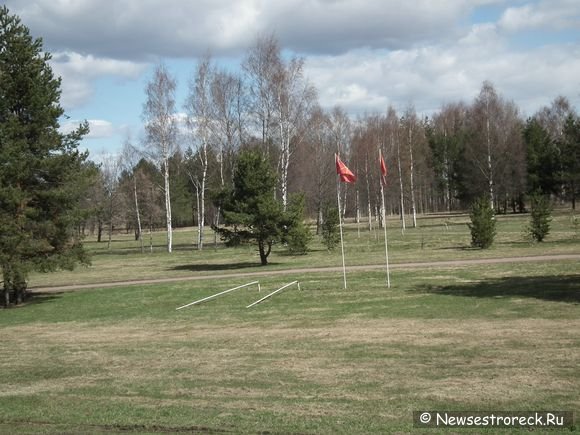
(482,224)
(260,66)
(570,160)
(161,130)
(130,158)
(540,218)
(296,233)
(542,159)
(495,162)
(111,173)
(200,118)
(330,227)
(447,134)
(293,100)
(250,212)
(43,176)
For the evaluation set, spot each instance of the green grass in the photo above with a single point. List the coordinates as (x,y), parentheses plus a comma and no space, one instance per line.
(436,238)
(320,360)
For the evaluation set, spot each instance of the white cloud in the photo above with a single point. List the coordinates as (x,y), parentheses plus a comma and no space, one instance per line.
(78,73)
(553,14)
(141,29)
(429,76)
(98,128)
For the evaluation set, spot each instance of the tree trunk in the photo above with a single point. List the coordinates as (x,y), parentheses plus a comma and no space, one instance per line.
(99,231)
(369,207)
(489,162)
(110,233)
(413,205)
(167,205)
(402,210)
(139,229)
(263,252)
(201,222)
(319,218)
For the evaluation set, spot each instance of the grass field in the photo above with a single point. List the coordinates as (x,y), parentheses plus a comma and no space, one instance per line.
(320,360)
(436,238)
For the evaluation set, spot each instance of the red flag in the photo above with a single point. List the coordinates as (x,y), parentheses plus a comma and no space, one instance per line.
(383,170)
(346,175)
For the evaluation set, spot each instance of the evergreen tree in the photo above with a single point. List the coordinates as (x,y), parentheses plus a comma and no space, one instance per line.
(540,217)
(482,224)
(542,159)
(250,212)
(42,173)
(330,227)
(296,233)
(570,146)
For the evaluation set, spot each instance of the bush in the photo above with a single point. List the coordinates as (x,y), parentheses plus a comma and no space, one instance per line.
(482,224)
(540,217)
(297,235)
(330,227)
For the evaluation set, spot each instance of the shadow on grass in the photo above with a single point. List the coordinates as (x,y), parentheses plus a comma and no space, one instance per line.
(36,298)
(158,248)
(547,288)
(217,267)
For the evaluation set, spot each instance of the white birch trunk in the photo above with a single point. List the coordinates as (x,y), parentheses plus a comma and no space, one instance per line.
(412,167)
(402,210)
(138,214)
(489,163)
(167,204)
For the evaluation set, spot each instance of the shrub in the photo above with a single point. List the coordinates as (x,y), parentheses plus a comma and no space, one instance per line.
(482,224)
(330,227)
(297,235)
(540,217)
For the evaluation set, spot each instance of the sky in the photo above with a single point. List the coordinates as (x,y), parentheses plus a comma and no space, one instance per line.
(363,55)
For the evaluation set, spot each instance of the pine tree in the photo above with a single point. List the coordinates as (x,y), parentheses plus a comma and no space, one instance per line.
(540,217)
(296,233)
(42,173)
(330,227)
(251,213)
(482,224)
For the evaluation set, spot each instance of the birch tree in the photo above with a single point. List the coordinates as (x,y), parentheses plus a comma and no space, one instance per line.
(161,131)
(393,127)
(130,157)
(341,130)
(410,124)
(200,120)
(293,100)
(261,65)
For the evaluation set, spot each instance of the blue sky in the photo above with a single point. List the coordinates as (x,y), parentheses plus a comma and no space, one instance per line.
(363,55)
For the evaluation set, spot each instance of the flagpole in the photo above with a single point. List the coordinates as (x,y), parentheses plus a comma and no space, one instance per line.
(340,226)
(385,225)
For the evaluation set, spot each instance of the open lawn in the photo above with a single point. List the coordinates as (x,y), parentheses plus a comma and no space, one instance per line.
(494,337)
(436,238)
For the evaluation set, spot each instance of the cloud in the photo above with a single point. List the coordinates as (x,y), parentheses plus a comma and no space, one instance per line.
(429,76)
(80,71)
(98,128)
(145,29)
(553,15)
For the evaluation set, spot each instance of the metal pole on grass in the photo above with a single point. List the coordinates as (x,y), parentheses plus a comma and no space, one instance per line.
(218,294)
(273,293)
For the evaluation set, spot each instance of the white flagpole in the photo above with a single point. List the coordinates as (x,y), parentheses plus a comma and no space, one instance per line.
(385,224)
(340,226)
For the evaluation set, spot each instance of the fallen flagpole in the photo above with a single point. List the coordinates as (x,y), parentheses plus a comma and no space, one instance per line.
(219,294)
(273,293)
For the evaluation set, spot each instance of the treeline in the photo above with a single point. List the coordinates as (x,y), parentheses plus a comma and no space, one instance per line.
(437,163)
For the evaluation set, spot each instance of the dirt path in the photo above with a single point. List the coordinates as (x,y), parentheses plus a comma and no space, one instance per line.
(418,265)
